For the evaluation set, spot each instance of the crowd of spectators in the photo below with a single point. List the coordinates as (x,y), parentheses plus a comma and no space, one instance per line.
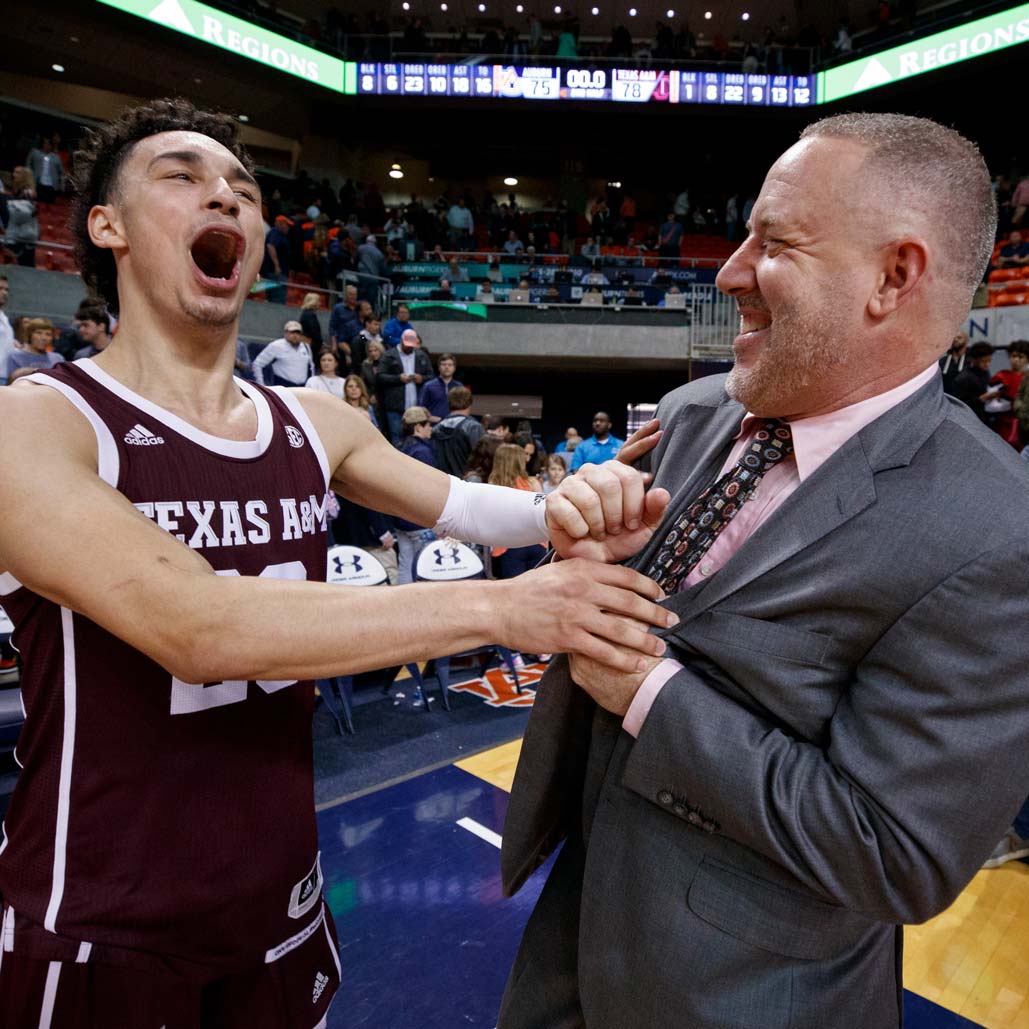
(778,48)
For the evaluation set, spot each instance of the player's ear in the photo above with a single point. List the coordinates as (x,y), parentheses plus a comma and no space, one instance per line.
(105,227)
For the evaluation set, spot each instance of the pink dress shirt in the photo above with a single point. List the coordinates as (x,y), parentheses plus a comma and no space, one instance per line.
(815,440)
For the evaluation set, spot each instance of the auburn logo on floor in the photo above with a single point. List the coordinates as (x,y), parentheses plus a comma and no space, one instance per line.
(497,687)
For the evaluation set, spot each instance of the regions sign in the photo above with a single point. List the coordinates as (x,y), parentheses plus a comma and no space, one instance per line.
(244,38)
(962,43)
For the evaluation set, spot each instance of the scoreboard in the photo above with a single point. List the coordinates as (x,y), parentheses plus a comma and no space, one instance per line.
(621,85)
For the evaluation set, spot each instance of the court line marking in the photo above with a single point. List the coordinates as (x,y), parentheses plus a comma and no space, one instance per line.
(481,831)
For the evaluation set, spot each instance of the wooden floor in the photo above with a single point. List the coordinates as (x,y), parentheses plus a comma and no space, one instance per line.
(973,959)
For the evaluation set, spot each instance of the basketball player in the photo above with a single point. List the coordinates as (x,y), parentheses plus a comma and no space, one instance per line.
(162,523)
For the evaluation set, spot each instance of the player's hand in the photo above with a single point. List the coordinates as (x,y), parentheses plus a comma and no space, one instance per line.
(603,513)
(641,442)
(601,611)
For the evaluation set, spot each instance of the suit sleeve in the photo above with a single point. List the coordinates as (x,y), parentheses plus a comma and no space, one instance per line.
(928,759)
(389,371)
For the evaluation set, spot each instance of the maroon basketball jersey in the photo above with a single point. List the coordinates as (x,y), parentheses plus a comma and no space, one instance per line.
(151,814)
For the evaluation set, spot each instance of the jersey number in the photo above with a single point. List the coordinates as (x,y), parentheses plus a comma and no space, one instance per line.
(188,697)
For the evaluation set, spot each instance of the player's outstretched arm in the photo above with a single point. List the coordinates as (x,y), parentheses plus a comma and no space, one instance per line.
(602,513)
(100,557)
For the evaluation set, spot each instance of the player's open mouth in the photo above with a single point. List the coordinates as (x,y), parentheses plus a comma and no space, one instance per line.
(754,325)
(217,255)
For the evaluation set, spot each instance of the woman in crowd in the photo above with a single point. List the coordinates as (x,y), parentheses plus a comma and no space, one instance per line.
(555,472)
(355,393)
(370,368)
(480,460)
(309,320)
(22,233)
(328,379)
(534,458)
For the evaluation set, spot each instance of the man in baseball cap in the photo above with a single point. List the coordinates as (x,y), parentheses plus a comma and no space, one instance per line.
(289,359)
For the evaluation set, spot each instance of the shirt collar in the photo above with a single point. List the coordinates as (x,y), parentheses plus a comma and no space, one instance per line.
(817,438)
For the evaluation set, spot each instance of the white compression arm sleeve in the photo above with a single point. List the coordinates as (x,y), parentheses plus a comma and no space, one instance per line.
(478,512)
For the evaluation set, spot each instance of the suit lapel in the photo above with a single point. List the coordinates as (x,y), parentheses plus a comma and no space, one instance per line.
(841,489)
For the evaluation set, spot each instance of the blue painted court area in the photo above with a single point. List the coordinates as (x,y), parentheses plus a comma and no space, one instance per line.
(426,939)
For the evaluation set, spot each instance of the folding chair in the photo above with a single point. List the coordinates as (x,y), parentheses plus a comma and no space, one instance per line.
(451,561)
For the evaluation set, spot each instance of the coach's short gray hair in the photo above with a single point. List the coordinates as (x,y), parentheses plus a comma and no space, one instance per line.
(930,170)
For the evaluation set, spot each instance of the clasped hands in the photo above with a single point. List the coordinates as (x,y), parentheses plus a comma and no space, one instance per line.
(598,517)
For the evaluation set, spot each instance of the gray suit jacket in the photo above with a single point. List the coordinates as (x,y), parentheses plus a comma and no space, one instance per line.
(846,743)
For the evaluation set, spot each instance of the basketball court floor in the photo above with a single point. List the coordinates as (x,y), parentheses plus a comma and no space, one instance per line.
(426,939)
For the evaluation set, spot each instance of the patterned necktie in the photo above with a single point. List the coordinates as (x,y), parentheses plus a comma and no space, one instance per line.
(697,528)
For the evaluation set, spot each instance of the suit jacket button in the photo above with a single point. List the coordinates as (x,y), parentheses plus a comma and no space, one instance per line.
(665,797)
(694,819)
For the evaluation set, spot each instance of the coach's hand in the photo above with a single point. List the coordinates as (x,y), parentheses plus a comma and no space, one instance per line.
(600,610)
(603,512)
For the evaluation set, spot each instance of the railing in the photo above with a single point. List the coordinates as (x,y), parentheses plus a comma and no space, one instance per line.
(712,325)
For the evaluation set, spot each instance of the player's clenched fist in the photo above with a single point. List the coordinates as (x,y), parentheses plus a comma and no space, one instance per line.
(586,607)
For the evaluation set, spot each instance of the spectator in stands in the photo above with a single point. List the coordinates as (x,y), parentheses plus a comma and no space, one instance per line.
(359,344)
(570,433)
(590,249)
(457,271)
(1014,253)
(533,454)
(394,328)
(289,358)
(309,321)
(484,292)
(345,322)
(22,231)
(355,393)
(36,353)
(242,362)
(480,460)
(497,427)
(402,371)
(972,386)
(554,470)
(1021,404)
(442,292)
(456,435)
(416,432)
(601,446)
(595,277)
(669,237)
(952,364)
(1020,201)
(371,267)
(94,330)
(1010,382)
(513,245)
(461,226)
(328,379)
(571,445)
(370,373)
(7,344)
(45,164)
(276,258)
(435,391)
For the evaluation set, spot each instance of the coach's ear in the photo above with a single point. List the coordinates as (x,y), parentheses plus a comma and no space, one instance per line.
(105,227)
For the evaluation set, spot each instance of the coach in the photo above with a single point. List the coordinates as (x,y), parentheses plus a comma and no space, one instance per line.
(839,733)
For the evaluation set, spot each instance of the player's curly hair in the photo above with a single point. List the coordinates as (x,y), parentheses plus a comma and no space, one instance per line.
(100,158)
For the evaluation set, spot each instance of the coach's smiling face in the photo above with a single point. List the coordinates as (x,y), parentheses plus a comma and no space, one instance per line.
(184,223)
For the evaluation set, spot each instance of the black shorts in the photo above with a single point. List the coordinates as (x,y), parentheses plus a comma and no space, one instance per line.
(291,989)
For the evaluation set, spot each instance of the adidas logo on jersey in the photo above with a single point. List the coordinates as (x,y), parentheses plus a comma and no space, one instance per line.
(140,437)
(320,982)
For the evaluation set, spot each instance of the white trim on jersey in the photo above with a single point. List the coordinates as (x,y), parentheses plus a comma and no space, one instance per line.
(85,949)
(217,445)
(64,783)
(335,952)
(292,402)
(3,826)
(7,931)
(294,941)
(107,450)
(8,584)
(46,1012)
